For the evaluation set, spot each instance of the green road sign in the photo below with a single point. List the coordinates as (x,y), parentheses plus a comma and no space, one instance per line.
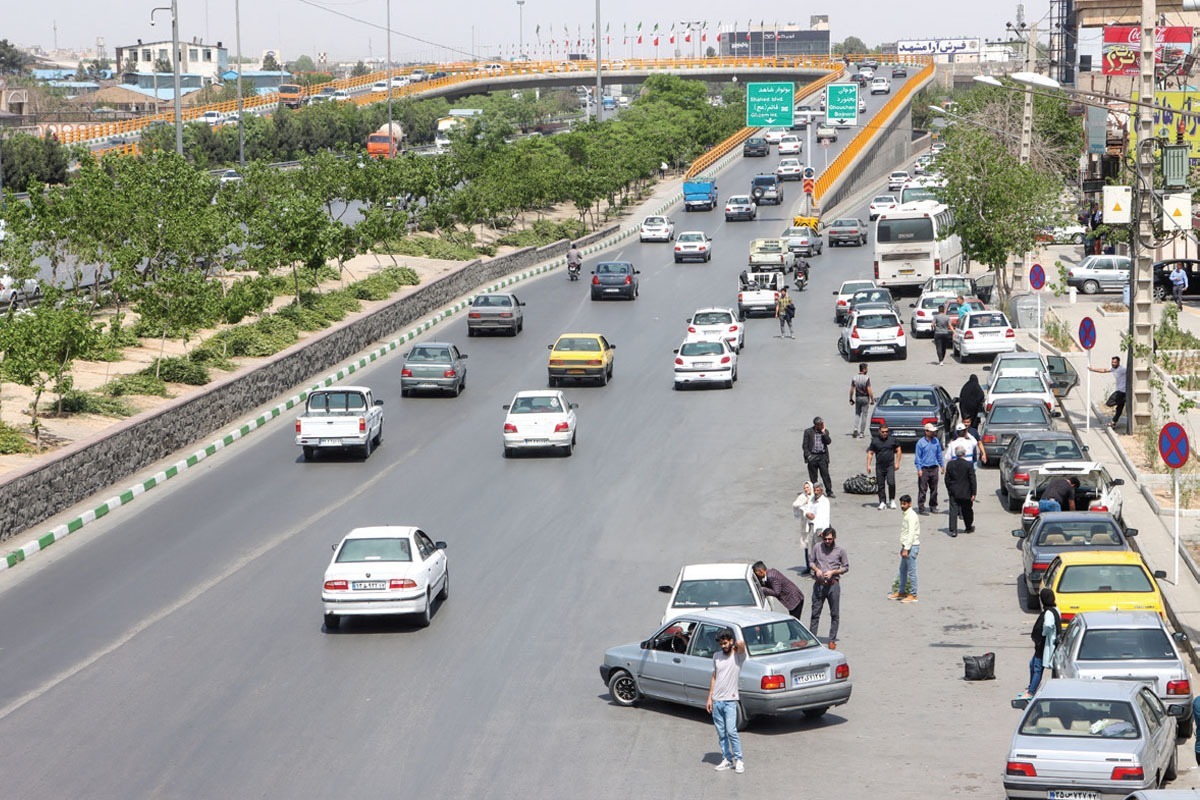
(841,104)
(769,104)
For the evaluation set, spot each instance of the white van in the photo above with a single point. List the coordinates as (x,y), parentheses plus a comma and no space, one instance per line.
(912,245)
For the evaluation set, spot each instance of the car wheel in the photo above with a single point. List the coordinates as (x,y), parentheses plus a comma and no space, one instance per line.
(508,452)
(379,436)
(815,713)
(332,621)
(1090,287)
(1077,238)
(1013,503)
(604,378)
(1185,729)
(553,381)
(623,689)
(309,453)
(676,385)
(470,332)
(708,258)
(595,296)
(1032,601)
(728,384)
(1160,294)
(458,387)
(743,719)
(841,346)
(569,447)
(902,353)
(678,260)
(366,449)
(444,594)
(425,616)
(1172,771)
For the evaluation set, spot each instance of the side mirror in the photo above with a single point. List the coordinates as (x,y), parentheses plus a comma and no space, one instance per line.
(440,545)
(676,351)
(520,303)
(333,547)
(645,645)
(1161,574)
(1118,481)
(506,407)
(549,347)
(573,405)
(408,354)
(912,305)
(665,589)
(612,347)
(1130,532)
(378,402)
(1179,636)
(462,355)
(1018,533)
(1059,414)
(834,293)
(1020,702)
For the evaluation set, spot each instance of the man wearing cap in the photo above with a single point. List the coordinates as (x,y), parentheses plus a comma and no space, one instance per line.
(930,466)
(961,488)
(815,446)
(962,436)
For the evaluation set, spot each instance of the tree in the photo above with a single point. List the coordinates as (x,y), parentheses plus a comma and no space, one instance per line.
(269,63)
(12,59)
(301,64)
(851,45)
(162,64)
(359,69)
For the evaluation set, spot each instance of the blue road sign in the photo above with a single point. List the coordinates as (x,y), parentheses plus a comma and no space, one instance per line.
(1087,333)
(1037,277)
(1173,445)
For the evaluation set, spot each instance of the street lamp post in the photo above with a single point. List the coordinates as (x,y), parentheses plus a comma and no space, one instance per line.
(174,9)
(599,85)
(393,141)
(521,29)
(237,27)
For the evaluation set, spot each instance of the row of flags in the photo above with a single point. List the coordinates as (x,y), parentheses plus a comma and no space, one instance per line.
(684,35)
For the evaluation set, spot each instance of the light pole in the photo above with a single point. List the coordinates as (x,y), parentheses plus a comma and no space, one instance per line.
(389,77)
(174,9)
(521,29)
(599,85)
(237,28)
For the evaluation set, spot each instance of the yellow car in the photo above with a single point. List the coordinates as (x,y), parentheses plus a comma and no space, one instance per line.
(581,356)
(1103,581)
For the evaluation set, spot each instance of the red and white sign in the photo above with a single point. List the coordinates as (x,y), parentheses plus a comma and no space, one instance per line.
(1121,51)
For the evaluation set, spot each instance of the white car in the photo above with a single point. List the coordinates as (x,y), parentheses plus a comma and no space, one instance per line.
(867,73)
(984,333)
(841,305)
(924,310)
(539,419)
(11,292)
(230,176)
(789,169)
(701,586)
(740,206)
(789,146)
(897,180)
(1097,489)
(341,96)
(657,229)
(211,117)
(803,240)
(871,332)
(379,87)
(880,203)
(400,81)
(862,104)
(702,360)
(881,86)
(774,135)
(383,570)
(718,323)
(693,246)
(1019,382)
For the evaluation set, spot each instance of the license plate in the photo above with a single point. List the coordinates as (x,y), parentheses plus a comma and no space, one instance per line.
(368,585)
(536,441)
(574,372)
(612,290)
(879,349)
(906,434)
(907,271)
(427,385)
(330,442)
(1071,794)
(807,677)
(702,364)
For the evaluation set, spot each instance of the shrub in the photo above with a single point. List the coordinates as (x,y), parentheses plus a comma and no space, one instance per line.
(383,284)
(245,297)
(139,383)
(304,318)
(77,401)
(12,441)
(177,370)
(431,247)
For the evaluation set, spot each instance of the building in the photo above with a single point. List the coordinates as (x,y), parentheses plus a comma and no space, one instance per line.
(770,41)
(201,63)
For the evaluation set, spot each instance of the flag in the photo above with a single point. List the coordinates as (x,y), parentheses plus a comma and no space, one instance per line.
(656,40)
(538,33)
(639,27)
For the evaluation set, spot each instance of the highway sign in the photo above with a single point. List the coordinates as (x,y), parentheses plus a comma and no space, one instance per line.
(841,104)
(1037,277)
(769,104)
(810,185)
(1087,333)
(809,172)
(1173,445)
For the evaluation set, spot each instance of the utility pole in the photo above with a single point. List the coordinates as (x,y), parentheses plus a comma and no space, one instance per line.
(175,67)
(237,20)
(389,75)
(1141,332)
(1021,268)
(599,85)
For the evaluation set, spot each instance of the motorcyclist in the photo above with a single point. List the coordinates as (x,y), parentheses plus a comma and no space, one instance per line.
(801,273)
(574,260)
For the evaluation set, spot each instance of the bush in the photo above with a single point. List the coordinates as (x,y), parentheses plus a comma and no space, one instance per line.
(80,402)
(139,383)
(430,247)
(12,441)
(245,297)
(383,284)
(303,317)
(177,370)
(544,232)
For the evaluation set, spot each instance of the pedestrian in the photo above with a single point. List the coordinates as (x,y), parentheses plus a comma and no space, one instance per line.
(816,514)
(963,310)
(885,452)
(1116,400)
(961,490)
(943,333)
(1045,637)
(1179,283)
(929,459)
(830,563)
(785,309)
(723,698)
(962,436)
(910,543)
(861,397)
(970,398)
(776,584)
(744,280)
(806,509)
(1059,494)
(815,446)
(662,170)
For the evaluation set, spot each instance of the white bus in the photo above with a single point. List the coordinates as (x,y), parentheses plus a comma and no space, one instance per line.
(912,245)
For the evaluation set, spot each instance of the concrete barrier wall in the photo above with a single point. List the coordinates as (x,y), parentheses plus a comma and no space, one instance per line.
(85,467)
(892,147)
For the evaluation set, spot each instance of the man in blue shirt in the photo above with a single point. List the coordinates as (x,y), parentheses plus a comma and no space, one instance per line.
(930,466)
(1179,283)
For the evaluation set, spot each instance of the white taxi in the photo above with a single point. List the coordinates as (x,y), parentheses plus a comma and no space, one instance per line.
(880,203)
(789,145)
(1019,382)
(789,169)
(984,333)
(703,360)
(924,310)
(693,246)
(841,305)
(773,135)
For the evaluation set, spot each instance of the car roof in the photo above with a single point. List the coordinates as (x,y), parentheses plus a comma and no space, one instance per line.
(1088,689)
(1120,620)
(700,572)
(537,393)
(1027,435)
(339,387)
(711,308)
(690,233)
(1100,557)
(742,616)
(381,532)
(910,387)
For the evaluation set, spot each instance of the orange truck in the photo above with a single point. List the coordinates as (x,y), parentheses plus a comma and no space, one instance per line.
(291,95)
(385,142)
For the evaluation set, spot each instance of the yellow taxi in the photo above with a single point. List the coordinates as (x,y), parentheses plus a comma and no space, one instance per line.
(581,356)
(1103,581)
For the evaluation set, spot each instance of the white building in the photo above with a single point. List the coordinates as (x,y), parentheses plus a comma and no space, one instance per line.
(195,59)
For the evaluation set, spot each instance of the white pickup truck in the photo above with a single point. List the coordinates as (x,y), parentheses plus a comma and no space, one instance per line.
(341,418)
(758,293)
(768,255)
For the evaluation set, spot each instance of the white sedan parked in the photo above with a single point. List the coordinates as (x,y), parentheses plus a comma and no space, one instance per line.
(657,229)
(383,570)
(925,309)
(984,333)
(539,419)
(718,323)
(789,146)
(693,245)
(713,586)
(703,360)
(1019,382)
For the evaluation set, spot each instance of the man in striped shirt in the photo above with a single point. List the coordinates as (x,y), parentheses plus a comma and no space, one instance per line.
(776,584)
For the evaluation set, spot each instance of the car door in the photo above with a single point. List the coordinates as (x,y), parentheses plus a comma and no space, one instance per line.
(430,563)
(1063,377)
(1062,662)
(457,361)
(698,664)
(1160,729)
(661,669)
(607,350)
(1120,272)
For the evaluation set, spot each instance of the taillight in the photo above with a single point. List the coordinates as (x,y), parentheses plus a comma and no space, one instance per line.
(703,247)
(1070,273)
(989,438)
(297,426)
(843,302)
(402,583)
(594,362)
(1031,511)
(842,672)
(679,361)
(725,359)
(595,280)
(876,270)
(989,408)
(854,332)
(1127,774)
(1102,508)
(1022,768)
(969,335)
(691,328)
(878,421)
(449,373)
(900,332)
(1040,566)
(505,315)
(562,427)
(1021,477)
(739,297)
(772,682)
(510,428)
(336,586)
(1010,334)
(406,373)
(474,315)
(362,424)
(937,266)
(677,248)
(1179,687)
(733,328)
(1066,616)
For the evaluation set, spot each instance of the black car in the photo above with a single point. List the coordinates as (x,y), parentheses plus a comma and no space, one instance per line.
(899,71)
(615,279)
(1028,450)
(1058,532)
(878,295)
(1162,281)
(906,409)
(756,146)
(860,79)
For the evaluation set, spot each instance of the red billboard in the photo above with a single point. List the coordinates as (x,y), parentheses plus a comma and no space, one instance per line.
(1121,50)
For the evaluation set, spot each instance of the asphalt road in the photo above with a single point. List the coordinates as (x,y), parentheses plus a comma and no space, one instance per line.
(175,649)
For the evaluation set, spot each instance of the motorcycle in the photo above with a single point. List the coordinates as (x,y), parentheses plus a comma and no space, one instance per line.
(801,276)
(573,271)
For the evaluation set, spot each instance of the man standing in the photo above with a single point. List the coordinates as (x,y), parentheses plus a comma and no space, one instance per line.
(962,436)
(910,543)
(723,698)
(817,515)
(776,584)
(961,489)
(1117,399)
(1045,637)
(929,460)
(886,453)
(861,397)
(815,446)
(1179,283)
(830,563)
(785,309)
(943,333)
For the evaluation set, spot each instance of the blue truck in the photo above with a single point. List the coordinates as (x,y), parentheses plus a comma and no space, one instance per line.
(699,195)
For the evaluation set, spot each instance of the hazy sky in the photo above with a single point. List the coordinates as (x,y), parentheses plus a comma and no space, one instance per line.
(295,26)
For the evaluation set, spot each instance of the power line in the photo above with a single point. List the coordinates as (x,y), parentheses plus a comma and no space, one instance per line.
(384,28)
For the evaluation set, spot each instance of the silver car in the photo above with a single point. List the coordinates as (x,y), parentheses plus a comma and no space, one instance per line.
(1100,274)
(433,366)
(1091,739)
(1058,532)
(496,312)
(1127,645)
(788,669)
(803,240)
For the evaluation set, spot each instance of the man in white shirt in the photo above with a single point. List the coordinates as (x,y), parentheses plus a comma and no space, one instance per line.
(1117,399)
(723,698)
(963,438)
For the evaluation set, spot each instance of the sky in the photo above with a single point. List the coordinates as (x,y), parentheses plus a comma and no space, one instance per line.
(461,27)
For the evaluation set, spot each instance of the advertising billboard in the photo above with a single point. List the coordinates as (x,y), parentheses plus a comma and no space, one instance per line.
(1121,50)
(937,47)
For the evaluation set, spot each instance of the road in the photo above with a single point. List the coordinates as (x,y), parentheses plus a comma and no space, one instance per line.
(175,649)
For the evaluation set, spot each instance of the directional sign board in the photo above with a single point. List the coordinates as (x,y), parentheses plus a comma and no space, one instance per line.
(769,104)
(1087,333)
(841,104)
(1037,277)
(1173,445)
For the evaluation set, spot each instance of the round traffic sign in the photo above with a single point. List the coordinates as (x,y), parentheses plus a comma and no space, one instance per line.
(809,172)
(1087,333)
(1037,277)
(1173,445)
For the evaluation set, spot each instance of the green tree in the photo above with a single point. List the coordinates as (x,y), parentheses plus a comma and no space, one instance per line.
(851,45)
(269,63)
(360,69)
(162,64)
(12,59)
(301,64)
(29,158)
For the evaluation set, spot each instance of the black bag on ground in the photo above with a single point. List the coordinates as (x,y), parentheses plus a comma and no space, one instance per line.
(860,484)
(980,668)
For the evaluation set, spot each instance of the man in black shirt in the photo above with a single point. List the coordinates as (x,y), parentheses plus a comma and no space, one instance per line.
(960,488)
(1060,491)
(886,453)
(815,446)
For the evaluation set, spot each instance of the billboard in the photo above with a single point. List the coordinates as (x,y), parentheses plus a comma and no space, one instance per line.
(1167,120)
(938,47)
(1121,50)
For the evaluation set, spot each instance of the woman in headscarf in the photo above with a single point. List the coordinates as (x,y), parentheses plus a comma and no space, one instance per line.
(808,531)
(970,399)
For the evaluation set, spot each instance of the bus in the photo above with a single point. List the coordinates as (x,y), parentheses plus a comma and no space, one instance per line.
(915,191)
(913,244)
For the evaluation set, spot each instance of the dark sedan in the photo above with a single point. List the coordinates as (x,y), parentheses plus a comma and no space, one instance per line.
(1162,281)
(756,146)
(1010,416)
(1028,450)
(1056,532)
(615,279)
(907,408)
(879,297)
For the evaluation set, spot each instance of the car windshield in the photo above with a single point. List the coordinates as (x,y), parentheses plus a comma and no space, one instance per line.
(715,592)
(1078,533)
(358,550)
(876,321)
(701,349)
(336,403)
(579,344)
(1103,579)
(712,318)
(796,232)
(1132,644)
(612,269)
(493,301)
(872,296)
(850,287)
(908,398)
(1018,415)
(933,301)
(740,200)
(1021,362)
(1017,385)
(691,237)
(1051,450)
(845,223)
(655,221)
(1085,719)
(536,405)
(761,181)
(781,636)
(884,198)
(987,321)
(772,246)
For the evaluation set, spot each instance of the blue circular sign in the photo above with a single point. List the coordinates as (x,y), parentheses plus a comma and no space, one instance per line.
(1087,333)
(1037,277)
(809,172)
(1173,445)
